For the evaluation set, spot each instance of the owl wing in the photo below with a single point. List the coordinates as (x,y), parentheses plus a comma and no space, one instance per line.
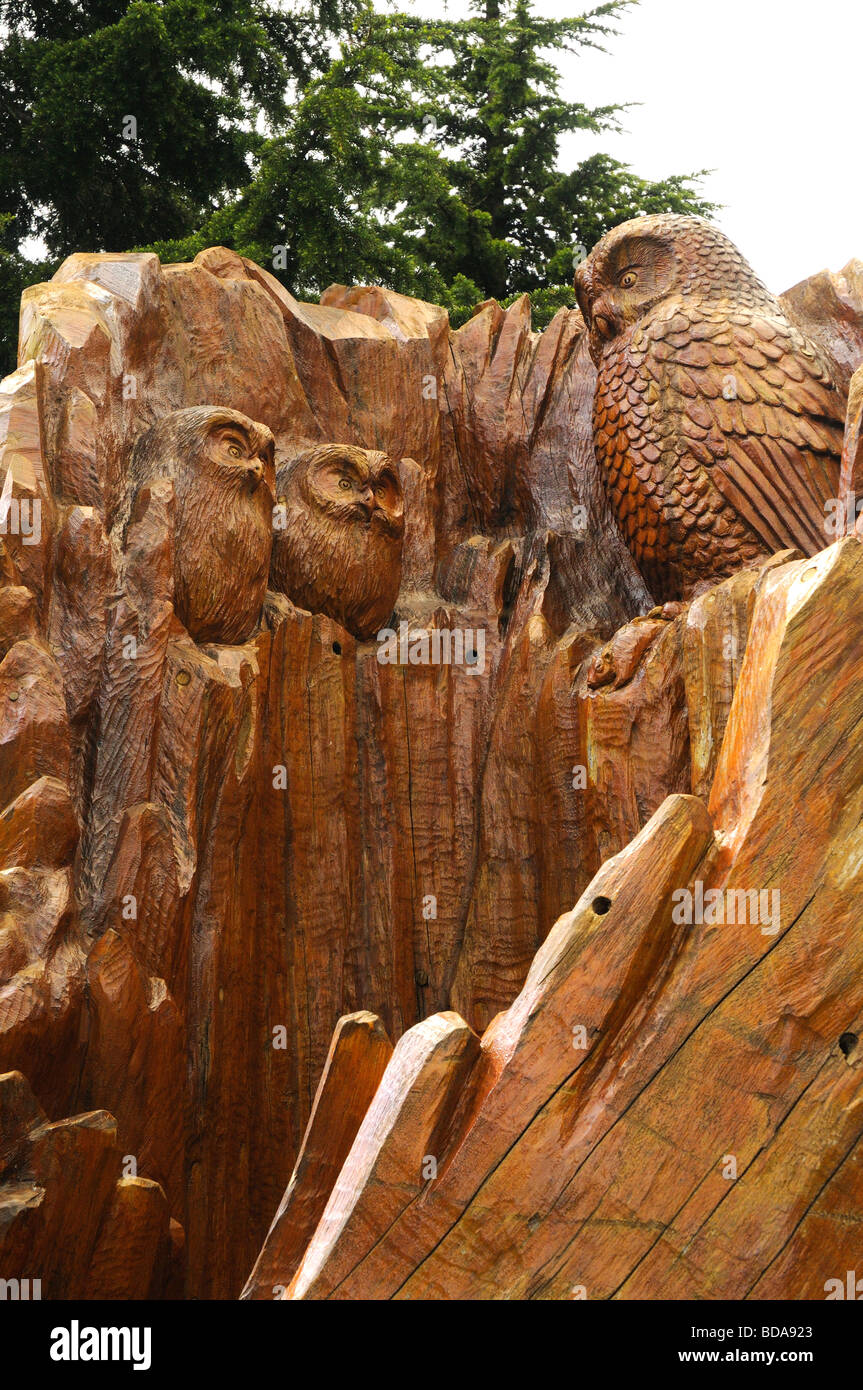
(749,398)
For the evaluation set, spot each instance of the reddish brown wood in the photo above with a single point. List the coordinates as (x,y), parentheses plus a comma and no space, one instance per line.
(211,851)
(357,1059)
(67,1217)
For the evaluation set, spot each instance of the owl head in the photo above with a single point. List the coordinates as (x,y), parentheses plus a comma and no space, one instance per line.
(350,486)
(222,468)
(235,454)
(339,551)
(649,259)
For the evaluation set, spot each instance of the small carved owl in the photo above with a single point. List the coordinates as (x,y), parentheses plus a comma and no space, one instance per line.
(338,544)
(619,659)
(717,425)
(222,465)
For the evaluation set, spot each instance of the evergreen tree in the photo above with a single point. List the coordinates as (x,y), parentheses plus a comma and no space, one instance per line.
(329,141)
(425,158)
(126,121)
(509,121)
(122,122)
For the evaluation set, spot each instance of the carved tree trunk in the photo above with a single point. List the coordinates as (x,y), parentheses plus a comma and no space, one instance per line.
(209,855)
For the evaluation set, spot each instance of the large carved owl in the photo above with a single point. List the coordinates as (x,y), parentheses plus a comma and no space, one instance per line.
(222,465)
(717,425)
(338,545)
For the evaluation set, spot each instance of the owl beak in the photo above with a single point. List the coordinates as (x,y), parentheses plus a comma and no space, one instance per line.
(367,502)
(254,474)
(606,320)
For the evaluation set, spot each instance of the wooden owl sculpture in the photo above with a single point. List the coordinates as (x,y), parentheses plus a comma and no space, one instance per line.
(717,425)
(222,465)
(338,547)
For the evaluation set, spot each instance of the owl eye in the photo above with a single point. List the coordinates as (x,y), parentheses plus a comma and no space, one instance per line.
(234,451)
(628,279)
(344,483)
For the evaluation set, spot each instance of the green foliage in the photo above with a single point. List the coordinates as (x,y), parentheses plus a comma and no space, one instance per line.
(545,303)
(16,274)
(125,120)
(330,142)
(129,121)
(425,158)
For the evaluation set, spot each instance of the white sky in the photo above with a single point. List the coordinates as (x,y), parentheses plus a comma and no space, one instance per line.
(767,93)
